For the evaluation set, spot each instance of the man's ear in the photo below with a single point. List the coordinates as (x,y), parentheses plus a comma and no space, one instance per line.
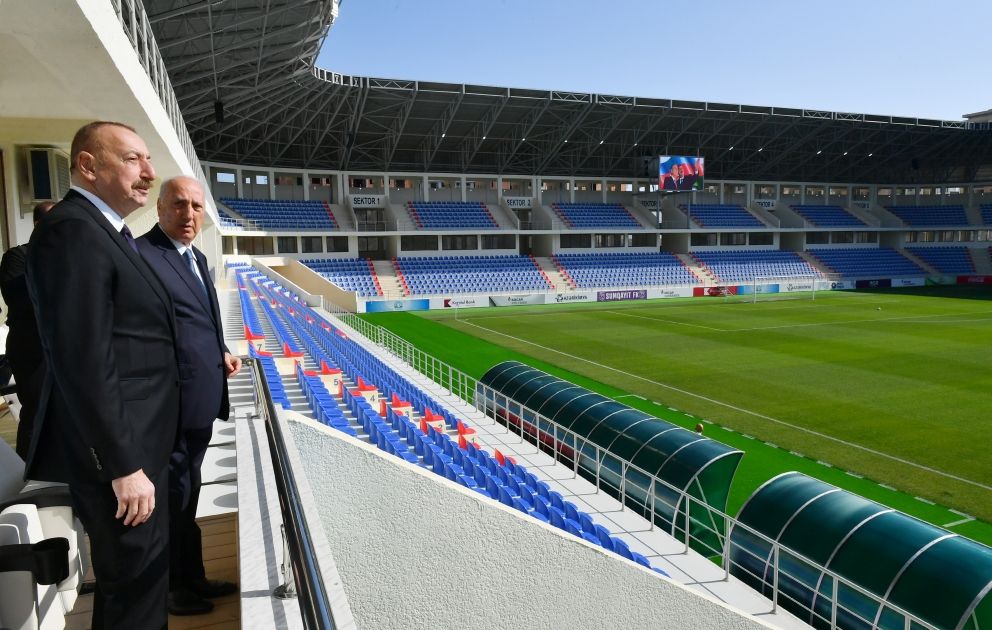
(86,165)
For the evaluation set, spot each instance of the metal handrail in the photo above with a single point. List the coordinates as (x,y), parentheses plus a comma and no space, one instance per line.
(468,389)
(137,27)
(315,608)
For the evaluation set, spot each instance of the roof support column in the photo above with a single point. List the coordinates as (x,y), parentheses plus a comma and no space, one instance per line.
(339,188)
(602,183)
(427,188)
(306,185)
(240,182)
(464,196)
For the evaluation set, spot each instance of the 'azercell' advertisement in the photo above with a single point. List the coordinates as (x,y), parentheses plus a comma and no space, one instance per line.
(387,306)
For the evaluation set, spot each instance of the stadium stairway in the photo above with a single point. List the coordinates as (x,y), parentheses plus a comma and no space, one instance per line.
(342,216)
(552,274)
(293,390)
(502,216)
(813,262)
(982,257)
(919,261)
(974,215)
(635,535)
(388,281)
(697,269)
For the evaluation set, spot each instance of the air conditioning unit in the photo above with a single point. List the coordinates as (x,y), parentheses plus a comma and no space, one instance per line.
(47,175)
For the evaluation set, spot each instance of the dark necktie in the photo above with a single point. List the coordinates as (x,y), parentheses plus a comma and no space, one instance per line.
(126,233)
(188,256)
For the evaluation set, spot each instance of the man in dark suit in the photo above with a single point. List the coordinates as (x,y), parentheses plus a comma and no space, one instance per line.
(672,181)
(204,367)
(109,410)
(23,346)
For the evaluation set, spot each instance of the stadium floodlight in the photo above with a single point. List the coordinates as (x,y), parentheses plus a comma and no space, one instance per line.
(601,141)
(819,151)
(845,152)
(731,149)
(760,149)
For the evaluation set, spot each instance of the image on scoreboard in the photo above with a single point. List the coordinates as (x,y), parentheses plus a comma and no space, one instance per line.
(678,173)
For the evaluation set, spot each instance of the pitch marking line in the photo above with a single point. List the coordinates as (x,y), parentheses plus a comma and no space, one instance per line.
(669,321)
(739,409)
(956,523)
(910,319)
(630,396)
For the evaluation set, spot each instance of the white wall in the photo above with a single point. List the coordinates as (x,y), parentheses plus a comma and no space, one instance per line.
(416,551)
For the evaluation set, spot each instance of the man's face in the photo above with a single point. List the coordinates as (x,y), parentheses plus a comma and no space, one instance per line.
(676,171)
(119,169)
(180,209)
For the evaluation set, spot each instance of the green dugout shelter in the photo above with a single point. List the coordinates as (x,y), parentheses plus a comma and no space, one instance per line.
(811,541)
(657,466)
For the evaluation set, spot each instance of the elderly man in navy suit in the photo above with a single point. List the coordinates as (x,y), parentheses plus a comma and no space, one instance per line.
(204,367)
(108,411)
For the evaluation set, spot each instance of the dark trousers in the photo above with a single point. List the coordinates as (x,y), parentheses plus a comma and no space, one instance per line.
(131,564)
(185,542)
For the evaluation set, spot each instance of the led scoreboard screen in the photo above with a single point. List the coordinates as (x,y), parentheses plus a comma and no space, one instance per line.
(678,173)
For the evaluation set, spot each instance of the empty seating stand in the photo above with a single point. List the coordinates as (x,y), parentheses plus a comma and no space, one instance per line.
(227,221)
(350,274)
(590,271)
(451,215)
(856,262)
(433,275)
(946,259)
(930,216)
(827,216)
(399,418)
(743,266)
(285,215)
(722,216)
(986,209)
(595,215)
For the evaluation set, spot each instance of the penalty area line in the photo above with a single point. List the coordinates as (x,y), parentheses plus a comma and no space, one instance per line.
(739,409)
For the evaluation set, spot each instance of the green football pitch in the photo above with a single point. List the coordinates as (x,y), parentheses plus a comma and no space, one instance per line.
(887,394)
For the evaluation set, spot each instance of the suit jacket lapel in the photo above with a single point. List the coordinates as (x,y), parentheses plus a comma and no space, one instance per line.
(192,282)
(135,258)
(201,264)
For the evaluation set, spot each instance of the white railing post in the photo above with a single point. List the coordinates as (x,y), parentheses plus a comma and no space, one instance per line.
(775,577)
(834,603)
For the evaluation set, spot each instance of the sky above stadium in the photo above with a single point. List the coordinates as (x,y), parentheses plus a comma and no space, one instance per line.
(895,57)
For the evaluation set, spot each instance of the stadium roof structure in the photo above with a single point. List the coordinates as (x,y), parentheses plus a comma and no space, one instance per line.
(244,75)
(610,435)
(874,548)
